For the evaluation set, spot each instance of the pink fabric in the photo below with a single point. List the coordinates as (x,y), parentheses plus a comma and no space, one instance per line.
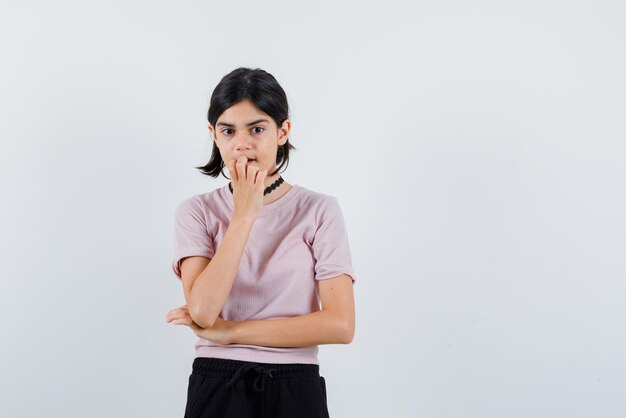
(295,241)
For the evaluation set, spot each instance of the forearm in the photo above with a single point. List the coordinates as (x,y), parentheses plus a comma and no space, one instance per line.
(212,286)
(321,327)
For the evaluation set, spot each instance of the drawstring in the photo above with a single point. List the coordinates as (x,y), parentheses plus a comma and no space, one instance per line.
(259,381)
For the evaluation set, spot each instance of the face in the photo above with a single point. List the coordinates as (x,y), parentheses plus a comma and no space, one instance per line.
(242,129)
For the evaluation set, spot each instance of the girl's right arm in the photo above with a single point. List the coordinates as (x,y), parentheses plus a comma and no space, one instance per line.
(206,292)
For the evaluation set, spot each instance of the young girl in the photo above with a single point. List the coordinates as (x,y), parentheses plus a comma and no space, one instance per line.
(256,258)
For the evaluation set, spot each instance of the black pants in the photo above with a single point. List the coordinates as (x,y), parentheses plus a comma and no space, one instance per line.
(220,388)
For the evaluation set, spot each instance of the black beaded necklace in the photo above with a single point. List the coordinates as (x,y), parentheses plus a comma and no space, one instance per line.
(269,189)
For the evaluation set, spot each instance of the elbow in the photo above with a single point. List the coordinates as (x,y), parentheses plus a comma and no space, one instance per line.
(202,318)
(342,326)
(347,334)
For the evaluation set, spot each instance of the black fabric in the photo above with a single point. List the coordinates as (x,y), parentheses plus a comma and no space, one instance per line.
(232,388)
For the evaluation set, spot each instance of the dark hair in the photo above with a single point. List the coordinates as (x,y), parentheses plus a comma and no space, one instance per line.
(262,89)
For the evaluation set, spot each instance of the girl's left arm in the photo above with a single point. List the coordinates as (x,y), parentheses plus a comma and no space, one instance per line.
(334,324)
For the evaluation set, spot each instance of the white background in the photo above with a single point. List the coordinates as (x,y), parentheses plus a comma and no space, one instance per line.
(478,151)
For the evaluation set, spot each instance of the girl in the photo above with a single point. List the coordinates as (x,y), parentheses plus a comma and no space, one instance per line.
(256,258)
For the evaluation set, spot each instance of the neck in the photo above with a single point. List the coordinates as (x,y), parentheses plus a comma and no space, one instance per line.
(278,192)
(270,180)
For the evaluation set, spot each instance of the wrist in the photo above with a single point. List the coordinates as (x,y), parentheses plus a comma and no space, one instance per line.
(243,220)
(233,332)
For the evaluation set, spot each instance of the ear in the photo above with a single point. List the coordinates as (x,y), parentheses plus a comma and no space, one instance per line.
(212,132)
(283,132)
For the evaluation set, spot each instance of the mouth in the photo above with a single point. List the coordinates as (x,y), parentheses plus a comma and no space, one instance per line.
(248,160)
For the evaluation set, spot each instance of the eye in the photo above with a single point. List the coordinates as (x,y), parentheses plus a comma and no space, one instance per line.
(224,131)
(258,127)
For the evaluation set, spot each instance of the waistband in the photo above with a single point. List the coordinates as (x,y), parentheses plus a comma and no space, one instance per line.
(236,369)
(226,367)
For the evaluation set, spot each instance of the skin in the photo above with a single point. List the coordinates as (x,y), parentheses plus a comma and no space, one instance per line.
(334,324)
(260,141)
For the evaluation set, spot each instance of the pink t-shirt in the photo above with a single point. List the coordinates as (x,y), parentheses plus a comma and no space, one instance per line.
(295,241)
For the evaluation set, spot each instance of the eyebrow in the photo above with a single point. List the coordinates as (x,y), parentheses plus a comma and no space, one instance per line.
(254,122)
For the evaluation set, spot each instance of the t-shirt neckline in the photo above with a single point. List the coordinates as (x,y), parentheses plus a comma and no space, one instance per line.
(265,209)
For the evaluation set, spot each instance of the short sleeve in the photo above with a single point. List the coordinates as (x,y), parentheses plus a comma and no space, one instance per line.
(331,249)
(191,236)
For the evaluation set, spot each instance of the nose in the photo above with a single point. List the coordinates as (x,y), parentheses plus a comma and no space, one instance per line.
(242,141)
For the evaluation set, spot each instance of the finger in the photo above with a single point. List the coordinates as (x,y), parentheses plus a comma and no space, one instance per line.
(260,177)
(252,170)
(170,315)
(232,172)
(241,167)
(177,313)
(181,321)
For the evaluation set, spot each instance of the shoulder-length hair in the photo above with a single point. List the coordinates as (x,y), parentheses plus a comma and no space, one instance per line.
(262,89)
